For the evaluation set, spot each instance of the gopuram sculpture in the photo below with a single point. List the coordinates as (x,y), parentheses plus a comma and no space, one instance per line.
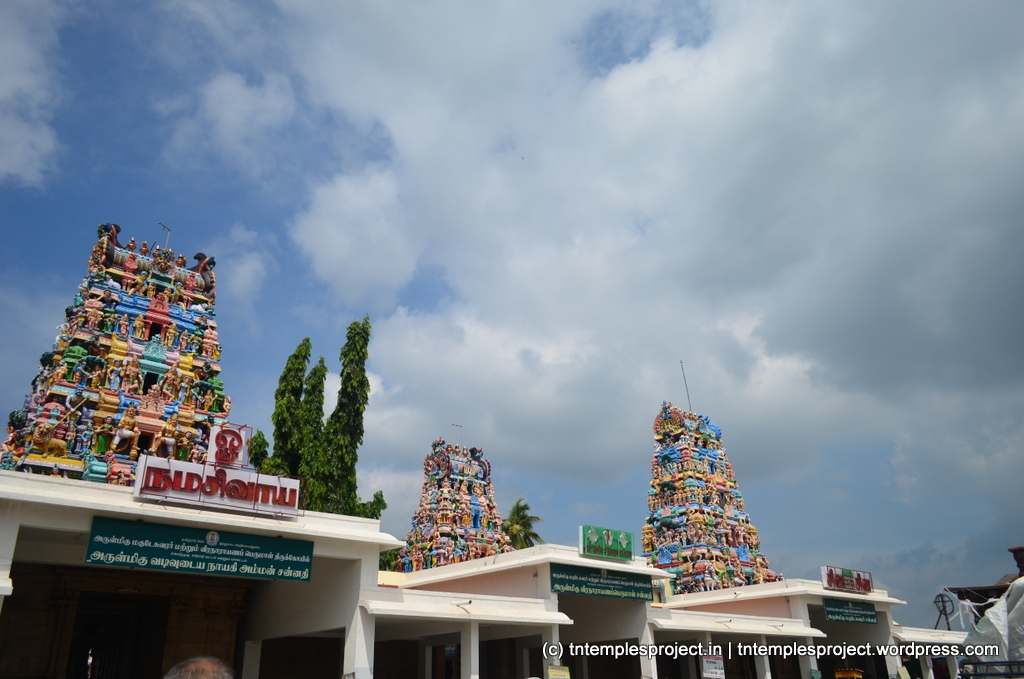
(698,528)
(134,369)
(457,518)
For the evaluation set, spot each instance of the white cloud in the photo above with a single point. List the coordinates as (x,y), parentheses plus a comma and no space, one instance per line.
(233,117)
(814,208)
(28,89)
(356,238)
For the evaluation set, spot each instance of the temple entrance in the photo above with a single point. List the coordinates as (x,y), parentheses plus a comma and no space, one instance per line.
(118,636)
(80,622)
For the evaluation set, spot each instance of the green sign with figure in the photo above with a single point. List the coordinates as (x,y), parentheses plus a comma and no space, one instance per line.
(844,610)
(606,543)
(600,582)
(181,549)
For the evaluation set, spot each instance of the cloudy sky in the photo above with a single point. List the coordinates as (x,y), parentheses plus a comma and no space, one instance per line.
(544,207)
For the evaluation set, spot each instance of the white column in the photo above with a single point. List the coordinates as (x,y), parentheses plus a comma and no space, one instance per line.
(893,664)
(954,668)
(359,635)
(251,659)
(926,667)
(583,662)
(808,663)
(698,665)
(761,664)
(426,660)
(469,648)
(9,524)
(648,663)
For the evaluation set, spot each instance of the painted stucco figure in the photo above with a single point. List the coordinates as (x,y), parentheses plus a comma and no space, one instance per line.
(698,528)
(457,518)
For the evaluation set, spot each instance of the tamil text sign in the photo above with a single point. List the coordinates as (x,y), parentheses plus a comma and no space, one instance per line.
(846,580)
(182,549)
(606,543)
(215,485)
(712,667)
(585,581)
(845,610)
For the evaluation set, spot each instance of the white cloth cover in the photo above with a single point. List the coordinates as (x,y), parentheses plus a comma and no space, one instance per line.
(1003,625)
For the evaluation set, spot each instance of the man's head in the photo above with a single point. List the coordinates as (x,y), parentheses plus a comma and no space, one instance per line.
(200,668)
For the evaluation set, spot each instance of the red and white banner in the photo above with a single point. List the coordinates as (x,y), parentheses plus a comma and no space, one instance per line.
(846,580)
(215,485)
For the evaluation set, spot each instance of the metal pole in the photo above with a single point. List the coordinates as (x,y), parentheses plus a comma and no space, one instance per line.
(686,386)
(167,238)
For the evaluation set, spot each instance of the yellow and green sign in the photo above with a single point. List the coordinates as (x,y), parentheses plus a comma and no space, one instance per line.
(182,549)
(606,543)
(567,579)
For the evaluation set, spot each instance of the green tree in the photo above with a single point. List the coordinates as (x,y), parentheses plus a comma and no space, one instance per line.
(387,559)
(313,464)
(258,448)
(519,526)
(288,437)
(343,433)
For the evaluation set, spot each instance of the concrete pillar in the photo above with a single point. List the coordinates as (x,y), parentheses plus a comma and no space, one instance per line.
(893,664)
(359,635)
(584,667)
(761,664)
(808,664)
(926,667)
(954,668)
(549,634)
(251,659)
(426,661)
(648,663)
(469,648)
(9,524)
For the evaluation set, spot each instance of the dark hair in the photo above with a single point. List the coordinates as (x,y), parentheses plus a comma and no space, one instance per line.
(203,667)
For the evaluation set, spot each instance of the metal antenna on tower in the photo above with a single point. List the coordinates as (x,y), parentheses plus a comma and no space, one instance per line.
(167,230)
(686,386)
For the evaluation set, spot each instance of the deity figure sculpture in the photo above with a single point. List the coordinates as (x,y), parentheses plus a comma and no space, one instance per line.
(131,376)
(165,442)
(169,384)
(139,328)
(170,334)
(127,430)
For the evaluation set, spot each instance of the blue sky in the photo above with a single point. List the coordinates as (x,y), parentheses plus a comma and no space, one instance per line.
(544,208)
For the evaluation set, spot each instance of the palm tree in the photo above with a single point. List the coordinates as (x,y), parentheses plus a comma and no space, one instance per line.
(519,526)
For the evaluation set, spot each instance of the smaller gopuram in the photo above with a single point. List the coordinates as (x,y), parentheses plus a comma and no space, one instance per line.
(698,528)
(457,518)
(134,369)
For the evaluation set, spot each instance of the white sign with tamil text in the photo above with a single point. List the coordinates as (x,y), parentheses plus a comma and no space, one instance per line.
(215,485)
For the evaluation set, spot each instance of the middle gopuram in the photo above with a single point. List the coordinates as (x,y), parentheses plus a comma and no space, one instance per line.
(457,518)
(698,528)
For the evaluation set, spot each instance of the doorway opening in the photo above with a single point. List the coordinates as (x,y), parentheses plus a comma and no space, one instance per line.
(118,636)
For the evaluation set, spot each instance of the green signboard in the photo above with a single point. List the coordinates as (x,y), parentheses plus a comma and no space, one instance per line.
(845,610)
(605,543)
(599,582)
(181,549)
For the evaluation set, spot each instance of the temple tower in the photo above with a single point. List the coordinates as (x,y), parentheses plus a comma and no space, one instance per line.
(698,528)
(457,518)
(134,368)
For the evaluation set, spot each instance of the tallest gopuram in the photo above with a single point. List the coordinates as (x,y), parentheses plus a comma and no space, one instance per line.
(698,528)
(134,368)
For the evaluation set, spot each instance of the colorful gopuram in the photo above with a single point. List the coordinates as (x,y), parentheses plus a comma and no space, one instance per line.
(134,368)
(698,528)
(457,518)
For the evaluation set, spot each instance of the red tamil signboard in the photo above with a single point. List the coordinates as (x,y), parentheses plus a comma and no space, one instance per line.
(846,580)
